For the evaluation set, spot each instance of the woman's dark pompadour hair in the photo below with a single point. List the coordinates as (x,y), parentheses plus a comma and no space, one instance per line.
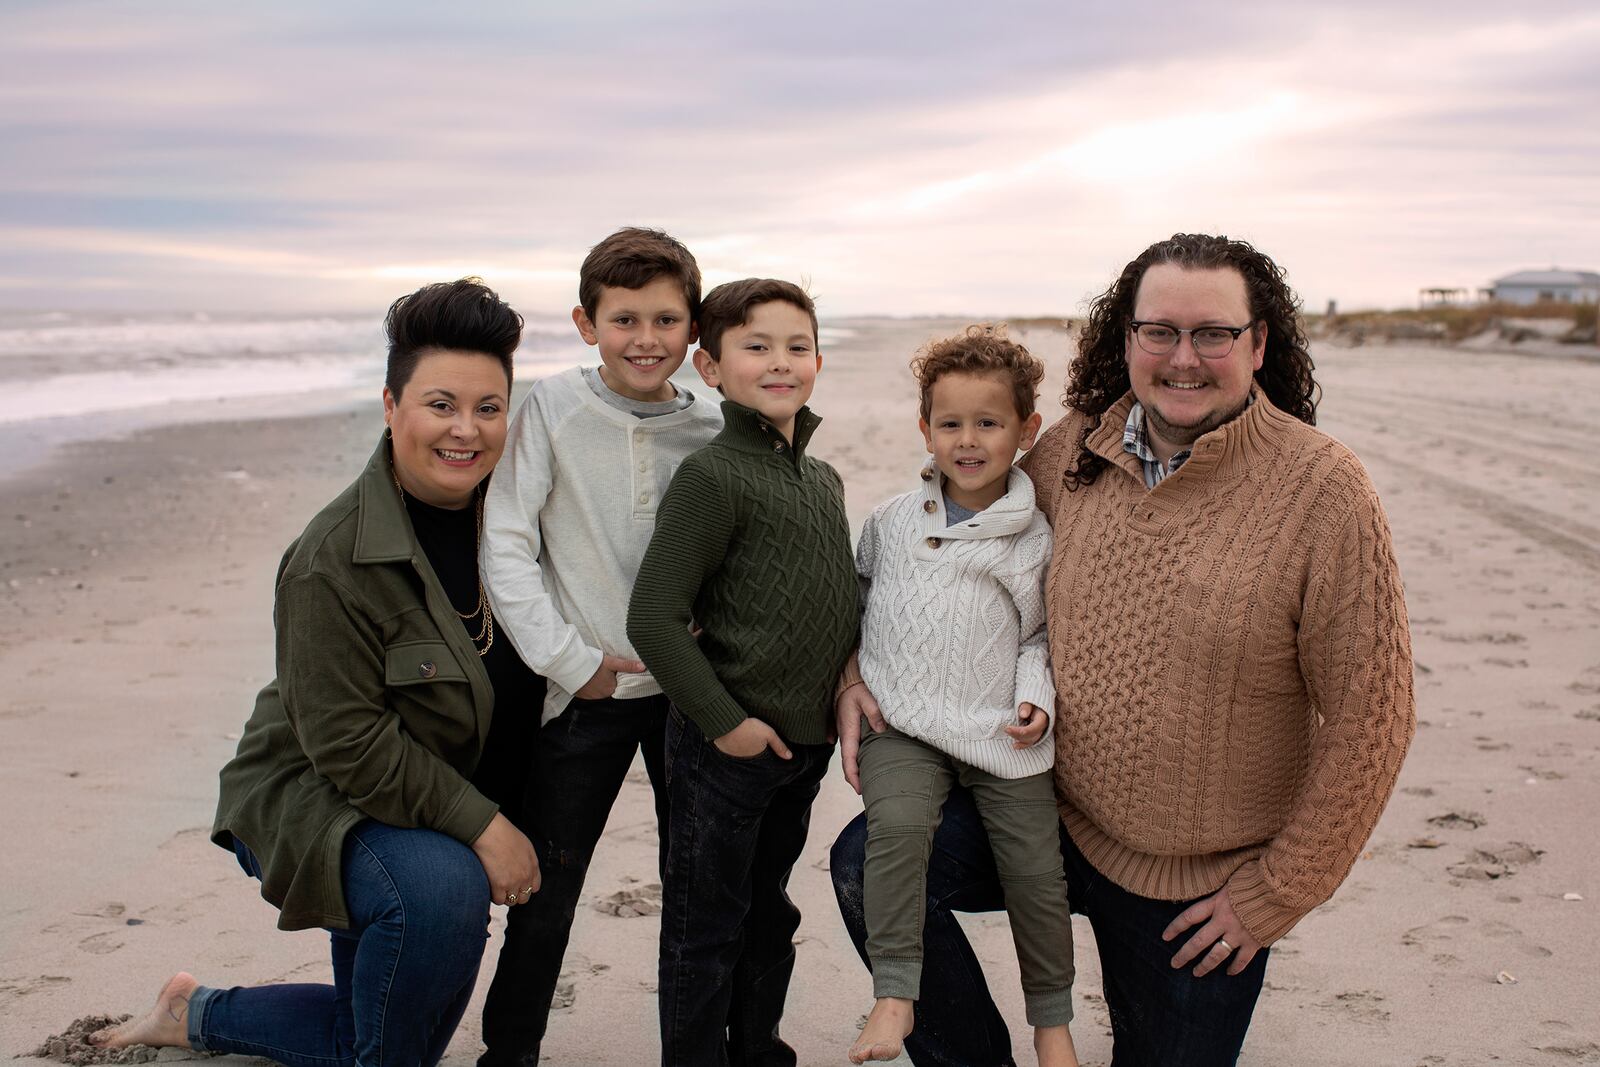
(466,316)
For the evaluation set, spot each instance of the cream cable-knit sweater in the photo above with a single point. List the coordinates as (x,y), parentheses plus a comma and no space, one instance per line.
(1233,647)
(953,636)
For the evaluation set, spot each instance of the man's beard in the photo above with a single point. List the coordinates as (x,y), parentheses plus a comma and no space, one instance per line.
(1184,436)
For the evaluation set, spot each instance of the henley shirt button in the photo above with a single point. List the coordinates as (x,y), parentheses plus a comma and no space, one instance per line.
(644,498)
(777,446)
(927,476)
(933,542)
(929,506)
(426,669)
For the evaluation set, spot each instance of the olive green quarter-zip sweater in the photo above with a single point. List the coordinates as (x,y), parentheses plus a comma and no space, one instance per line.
(379,709)
(751,543)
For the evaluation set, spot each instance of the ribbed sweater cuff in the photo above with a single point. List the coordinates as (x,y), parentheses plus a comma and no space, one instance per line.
(1257,906)
(1040,693)
(715,716)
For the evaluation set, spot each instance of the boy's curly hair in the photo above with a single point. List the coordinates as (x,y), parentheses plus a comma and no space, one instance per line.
(982,348)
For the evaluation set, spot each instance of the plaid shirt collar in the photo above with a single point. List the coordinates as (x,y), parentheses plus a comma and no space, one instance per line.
(1136,439)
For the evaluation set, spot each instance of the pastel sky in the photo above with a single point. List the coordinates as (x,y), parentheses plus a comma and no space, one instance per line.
(932,157)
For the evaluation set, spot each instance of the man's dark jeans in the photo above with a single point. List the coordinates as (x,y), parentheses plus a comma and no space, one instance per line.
(583,757)
(727,924)
(1160,1017)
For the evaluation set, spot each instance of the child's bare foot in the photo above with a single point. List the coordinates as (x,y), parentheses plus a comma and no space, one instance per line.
(885,1032)
(165,1024)
(1053,1046)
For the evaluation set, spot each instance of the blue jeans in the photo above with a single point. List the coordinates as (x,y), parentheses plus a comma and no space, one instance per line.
(1160,1017)
(736,828)
(583,756)
(402,973)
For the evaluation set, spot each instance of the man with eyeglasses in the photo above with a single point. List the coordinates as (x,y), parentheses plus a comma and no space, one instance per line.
(1232,662)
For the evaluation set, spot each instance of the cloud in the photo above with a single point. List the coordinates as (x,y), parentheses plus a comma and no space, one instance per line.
(924,158)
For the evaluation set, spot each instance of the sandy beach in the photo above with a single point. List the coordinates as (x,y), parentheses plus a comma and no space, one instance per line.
(135,627)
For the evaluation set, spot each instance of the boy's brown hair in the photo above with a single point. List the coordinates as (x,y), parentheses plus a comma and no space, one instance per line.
(982,348)
(728,306)
(632,258)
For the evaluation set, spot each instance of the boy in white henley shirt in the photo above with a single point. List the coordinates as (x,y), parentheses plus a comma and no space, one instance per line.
(568,516)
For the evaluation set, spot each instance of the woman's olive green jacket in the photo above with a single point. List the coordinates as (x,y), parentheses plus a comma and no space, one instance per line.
(379,710)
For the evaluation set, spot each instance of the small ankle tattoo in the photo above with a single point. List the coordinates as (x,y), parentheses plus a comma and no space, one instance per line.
(178,1013)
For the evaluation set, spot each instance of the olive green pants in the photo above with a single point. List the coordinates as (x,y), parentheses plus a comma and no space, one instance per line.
(904,783)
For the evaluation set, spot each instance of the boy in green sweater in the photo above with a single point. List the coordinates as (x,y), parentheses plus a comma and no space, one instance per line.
(751,546)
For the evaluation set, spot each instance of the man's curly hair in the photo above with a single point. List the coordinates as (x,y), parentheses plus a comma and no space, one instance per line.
(982,348)
(1098,376)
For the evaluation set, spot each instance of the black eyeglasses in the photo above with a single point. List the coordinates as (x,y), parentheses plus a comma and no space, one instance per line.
(1210,342)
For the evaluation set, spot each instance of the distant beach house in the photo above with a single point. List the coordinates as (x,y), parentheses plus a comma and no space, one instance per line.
(1541,286)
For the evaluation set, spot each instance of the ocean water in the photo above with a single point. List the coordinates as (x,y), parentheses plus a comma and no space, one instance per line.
(72,375)
(76,376)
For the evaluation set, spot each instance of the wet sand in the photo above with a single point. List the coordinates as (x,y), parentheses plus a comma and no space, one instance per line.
(135,627)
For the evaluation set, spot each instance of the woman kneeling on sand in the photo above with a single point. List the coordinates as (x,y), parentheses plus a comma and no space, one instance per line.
(352,797)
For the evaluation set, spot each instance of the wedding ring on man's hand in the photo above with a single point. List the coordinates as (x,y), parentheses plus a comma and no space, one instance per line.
(528,892)
(1224,943)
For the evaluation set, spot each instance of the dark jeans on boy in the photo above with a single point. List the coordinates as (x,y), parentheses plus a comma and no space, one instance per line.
(1160,1017)
(582,758)
(736,828)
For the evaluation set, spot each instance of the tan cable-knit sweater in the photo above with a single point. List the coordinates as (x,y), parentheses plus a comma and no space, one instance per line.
(1232,662)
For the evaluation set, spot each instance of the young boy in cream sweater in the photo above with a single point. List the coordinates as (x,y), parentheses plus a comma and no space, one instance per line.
(953,651)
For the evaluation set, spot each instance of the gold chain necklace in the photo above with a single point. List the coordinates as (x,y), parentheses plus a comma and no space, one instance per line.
(486,631)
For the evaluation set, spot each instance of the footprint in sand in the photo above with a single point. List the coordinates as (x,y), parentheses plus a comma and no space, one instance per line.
(630,902)
(1435,937)
(1489,744)
(1361,1006)
(1458,820)
(1441,930)
(1485,637)
(1585,1052)
(1515,938)
(99,944)
(22,987)
(1495,862)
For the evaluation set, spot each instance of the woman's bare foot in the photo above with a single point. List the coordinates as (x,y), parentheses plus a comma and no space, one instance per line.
(885,1032)
(165,1024)
(1053,1046)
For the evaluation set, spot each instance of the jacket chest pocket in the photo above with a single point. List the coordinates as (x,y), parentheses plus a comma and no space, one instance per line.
(420,663)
